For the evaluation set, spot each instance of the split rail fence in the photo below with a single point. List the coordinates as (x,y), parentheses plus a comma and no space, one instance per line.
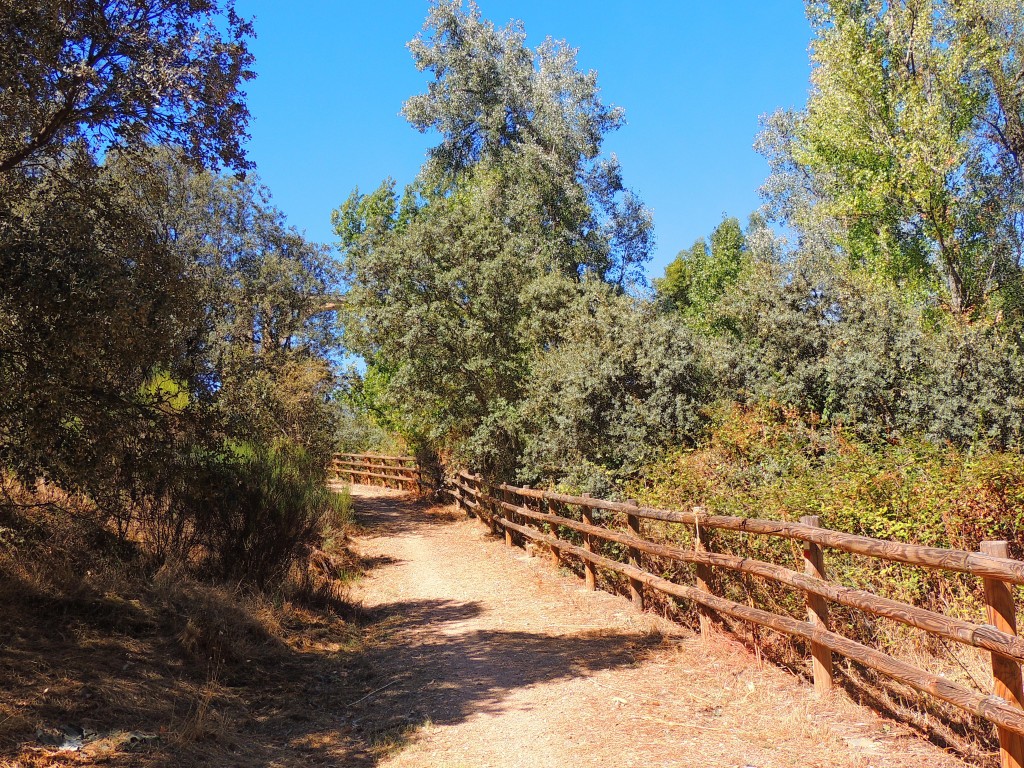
(402,472)
(547,518)
(540,516)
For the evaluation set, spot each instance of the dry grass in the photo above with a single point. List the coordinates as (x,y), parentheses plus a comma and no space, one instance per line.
(149,666)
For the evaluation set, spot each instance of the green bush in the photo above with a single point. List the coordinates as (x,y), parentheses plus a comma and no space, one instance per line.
(624,382)
(831,343)
(768,462)
(273,501)
(243,513)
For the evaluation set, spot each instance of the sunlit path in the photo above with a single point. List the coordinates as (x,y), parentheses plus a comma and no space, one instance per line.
(492,659)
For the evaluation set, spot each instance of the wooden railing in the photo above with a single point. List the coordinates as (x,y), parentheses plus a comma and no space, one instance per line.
(540,516)
(401,472)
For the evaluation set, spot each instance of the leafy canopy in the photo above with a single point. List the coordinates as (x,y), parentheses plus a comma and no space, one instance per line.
(908,154)
(453,288)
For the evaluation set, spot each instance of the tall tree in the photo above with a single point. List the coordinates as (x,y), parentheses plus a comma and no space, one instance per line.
(907,150)
(260,287)
(96,303)
(454,285)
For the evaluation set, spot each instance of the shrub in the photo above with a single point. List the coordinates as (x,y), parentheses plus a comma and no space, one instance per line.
(768,462)
(269,505)
(827,341)
(624,382)
(243,512)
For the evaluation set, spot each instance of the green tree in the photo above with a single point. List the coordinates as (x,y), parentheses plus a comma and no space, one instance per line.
(261,288)
(95,302)
(907,154)
(93,305)
(625,382)
(455,287)
(699,275)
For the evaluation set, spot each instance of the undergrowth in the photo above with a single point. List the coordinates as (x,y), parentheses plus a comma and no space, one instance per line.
(768,462)
(152,652)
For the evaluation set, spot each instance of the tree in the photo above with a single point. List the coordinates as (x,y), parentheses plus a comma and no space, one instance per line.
(698,276)
(260,287)
(907,154)
(125,73)
(93,305)
(95,302)
(535,122)
(455,287)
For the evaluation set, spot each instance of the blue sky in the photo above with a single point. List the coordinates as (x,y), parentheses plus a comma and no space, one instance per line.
(692,77)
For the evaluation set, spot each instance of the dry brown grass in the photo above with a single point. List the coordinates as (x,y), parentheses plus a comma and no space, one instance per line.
(157,667)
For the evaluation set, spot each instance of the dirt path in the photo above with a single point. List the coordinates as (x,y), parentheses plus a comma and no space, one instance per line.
(491,659)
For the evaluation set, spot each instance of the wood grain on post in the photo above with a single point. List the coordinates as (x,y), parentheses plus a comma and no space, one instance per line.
(556,559)
(817,612)
(700,544)
(492,507)
(636,588)
(588,544)
(1005,671)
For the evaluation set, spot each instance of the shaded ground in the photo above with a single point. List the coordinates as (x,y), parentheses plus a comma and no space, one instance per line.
(464,653)
(491,658)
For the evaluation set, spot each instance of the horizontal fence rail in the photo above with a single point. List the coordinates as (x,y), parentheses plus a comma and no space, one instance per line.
(541,517)
(402,472)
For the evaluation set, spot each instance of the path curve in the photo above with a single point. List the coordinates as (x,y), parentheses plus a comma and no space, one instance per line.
(490,658)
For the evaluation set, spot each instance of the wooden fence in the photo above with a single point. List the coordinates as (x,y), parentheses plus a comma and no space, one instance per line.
(540,516)
(402,472)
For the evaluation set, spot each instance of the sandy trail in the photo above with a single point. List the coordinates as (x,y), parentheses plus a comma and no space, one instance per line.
(492,659)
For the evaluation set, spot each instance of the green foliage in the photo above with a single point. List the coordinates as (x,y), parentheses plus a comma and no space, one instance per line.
(456,288)
(255,511)
(122,73)
(908,154)
(698,276)
(152,312)
(624,382)
(93,306)
(826,341)
(261,289)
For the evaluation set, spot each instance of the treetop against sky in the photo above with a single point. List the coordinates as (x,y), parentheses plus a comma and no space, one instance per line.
(693,79)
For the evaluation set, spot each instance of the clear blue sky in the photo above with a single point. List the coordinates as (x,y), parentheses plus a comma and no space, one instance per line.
(692,77)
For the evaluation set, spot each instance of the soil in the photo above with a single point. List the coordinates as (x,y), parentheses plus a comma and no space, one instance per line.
(492,658)
(451,651)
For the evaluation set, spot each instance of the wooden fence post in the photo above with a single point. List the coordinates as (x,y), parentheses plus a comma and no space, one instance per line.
(489,502)
(556,559)
(460,501)
(1005,671)
(817,612)
(483,500)
(703,572)
(507,498)
(636,588)
(588,544)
